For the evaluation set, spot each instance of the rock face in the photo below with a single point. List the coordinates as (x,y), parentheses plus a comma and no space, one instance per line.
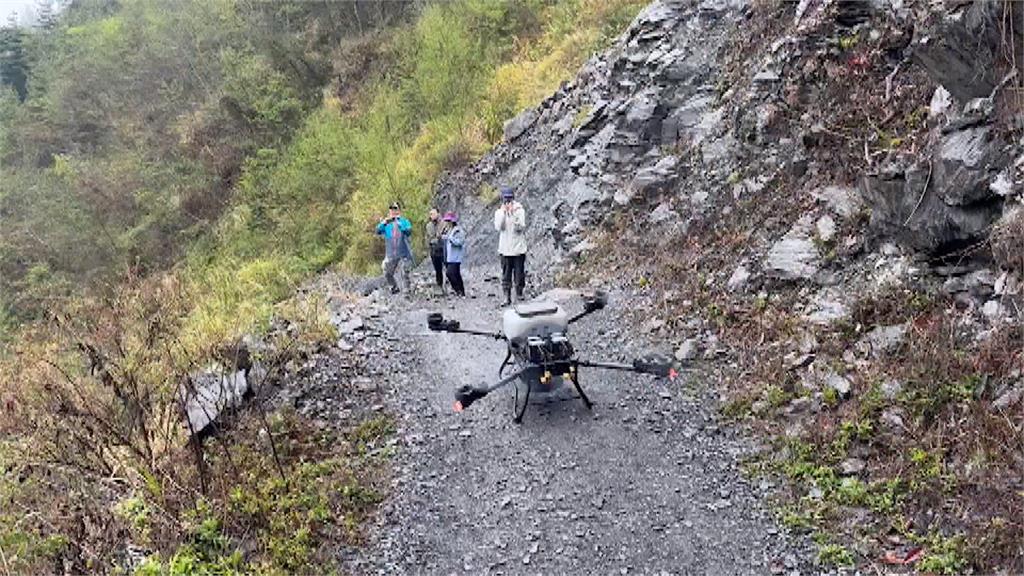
(603,141)
(950,197)
(960,50)
(946,204)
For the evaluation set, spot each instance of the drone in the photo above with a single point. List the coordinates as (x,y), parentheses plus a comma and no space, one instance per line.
(541,354)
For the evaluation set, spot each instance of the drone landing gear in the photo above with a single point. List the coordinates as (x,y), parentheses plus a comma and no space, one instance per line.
(574,377)
(520,400)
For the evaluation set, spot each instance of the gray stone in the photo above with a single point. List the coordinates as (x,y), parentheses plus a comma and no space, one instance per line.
(841,200)
(882,340)
(212,392)
(663,213)
(892,419)
(980,283)
(940,102)
(902,209)
(794,257)
(838,383)
(891,389)
(688,350)
(738,281)
(992,309)
(826,228)
(766,77)
(966,162)
(349,326)
(851,466)
(1009,398)
(515,127)
(1002,184)
(960,49)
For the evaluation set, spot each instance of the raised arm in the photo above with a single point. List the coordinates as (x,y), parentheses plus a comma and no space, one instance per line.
(519,219)
(499,219)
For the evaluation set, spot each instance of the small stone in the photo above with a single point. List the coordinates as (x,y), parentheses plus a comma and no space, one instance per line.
(851,466)
(766,77)
(893,420)
(826,227)
(1009,398)
(891,389)
(992,309)
(738,281)
(839,383)
(688,350)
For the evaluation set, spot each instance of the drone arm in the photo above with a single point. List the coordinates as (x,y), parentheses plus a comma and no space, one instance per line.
(495,335)
(436,322)
(591,304)
(582,315)
(654,367)
(466,395)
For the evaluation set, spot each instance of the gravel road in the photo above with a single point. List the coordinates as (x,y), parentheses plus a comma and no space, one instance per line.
(648,482)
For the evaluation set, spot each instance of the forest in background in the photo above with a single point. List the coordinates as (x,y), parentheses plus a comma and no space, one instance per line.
(169,173)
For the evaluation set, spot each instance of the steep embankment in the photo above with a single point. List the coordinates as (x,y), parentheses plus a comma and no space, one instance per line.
(819,200)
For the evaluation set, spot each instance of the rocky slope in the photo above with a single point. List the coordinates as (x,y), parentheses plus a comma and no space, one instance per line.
(821,199)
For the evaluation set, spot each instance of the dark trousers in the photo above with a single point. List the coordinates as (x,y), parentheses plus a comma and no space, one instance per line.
(437,259)
(454,270)
(513,267)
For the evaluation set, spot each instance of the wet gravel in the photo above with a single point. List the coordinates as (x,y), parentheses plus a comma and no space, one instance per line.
(648,482)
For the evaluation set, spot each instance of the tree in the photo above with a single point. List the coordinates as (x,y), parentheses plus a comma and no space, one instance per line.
(13,66)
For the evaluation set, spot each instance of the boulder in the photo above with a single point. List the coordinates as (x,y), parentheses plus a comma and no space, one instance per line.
(960,49)
(209,394)
(942,218)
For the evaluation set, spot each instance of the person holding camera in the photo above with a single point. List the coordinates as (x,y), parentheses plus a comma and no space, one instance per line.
(510,222)
(436,230)
(454,251)
(396,230)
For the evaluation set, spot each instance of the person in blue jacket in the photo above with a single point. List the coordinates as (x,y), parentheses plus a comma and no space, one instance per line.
(396,230)
(455,250)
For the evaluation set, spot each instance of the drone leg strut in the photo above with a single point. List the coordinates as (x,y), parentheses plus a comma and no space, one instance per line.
(518,415)
(575,378)
(505,362)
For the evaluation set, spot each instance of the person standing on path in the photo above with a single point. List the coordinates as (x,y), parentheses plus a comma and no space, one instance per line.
(455,251)
(435,239)
(510,222)
(396,230)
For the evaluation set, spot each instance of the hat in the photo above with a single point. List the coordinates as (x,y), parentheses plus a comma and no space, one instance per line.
(507,193)
(394,206)
(451,217)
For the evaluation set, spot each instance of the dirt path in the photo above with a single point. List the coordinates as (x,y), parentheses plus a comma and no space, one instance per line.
(646,483)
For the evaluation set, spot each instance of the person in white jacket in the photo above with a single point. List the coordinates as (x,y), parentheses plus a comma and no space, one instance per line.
(510,222)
